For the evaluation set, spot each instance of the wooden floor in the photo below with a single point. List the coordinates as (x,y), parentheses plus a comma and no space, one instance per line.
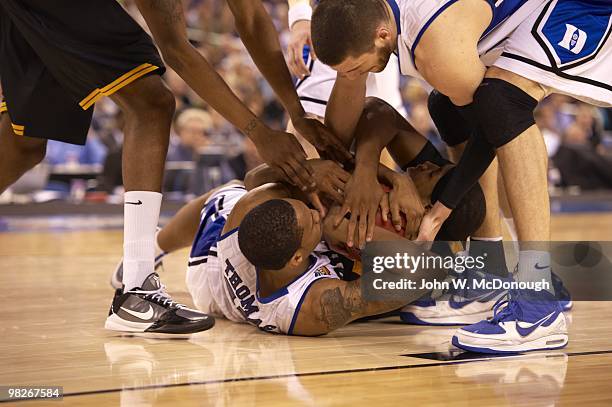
(56,296)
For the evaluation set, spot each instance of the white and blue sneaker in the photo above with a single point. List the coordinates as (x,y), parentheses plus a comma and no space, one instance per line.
(518,325)
(563,295)
(460,305)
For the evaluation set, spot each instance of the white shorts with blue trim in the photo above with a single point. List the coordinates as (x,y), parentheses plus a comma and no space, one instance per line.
(565,46)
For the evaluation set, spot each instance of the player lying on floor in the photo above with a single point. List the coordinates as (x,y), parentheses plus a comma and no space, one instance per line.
(260,256)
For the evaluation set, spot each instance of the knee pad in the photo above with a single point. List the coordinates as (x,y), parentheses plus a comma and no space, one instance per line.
(428,153)
(453,128)
(504,111)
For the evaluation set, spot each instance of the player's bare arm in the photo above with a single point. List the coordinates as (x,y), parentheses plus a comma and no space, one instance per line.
(378,125)
(450,63)
(167,23)
(261,39)
(331,304)
(345,106)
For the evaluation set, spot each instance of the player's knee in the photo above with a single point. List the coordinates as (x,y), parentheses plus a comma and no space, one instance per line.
(30,153)
(504,111)
(453,128)
(148,97)
(161,100)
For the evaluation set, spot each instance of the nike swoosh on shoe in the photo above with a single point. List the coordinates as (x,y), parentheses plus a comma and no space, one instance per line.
(145,316)
(528,330)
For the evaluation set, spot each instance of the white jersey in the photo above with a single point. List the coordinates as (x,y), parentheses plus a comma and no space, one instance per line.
(563,45)
(223,283)
(315,89)
(414,16)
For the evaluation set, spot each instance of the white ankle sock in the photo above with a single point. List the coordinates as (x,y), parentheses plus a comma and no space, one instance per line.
(141,211)
(534,265)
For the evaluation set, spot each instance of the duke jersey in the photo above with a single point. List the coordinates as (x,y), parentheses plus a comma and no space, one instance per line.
(223,283)
(414,16)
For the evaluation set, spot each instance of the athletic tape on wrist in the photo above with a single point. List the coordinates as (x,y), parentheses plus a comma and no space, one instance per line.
(301,11)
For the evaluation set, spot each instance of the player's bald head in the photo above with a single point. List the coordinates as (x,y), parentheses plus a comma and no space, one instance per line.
(343,28)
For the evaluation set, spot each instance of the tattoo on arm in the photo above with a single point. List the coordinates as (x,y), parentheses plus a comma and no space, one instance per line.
(171,9)
(252,125)
(338,309)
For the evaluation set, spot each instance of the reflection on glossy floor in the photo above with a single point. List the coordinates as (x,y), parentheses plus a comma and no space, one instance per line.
(56,296)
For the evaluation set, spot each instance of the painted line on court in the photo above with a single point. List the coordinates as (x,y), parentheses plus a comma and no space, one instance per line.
(285,376)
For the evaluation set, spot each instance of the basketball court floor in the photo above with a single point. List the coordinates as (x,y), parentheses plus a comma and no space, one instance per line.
(56,295)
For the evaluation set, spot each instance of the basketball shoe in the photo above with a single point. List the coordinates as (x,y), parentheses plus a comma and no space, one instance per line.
(520,323)
(462,304)
(563,295)
(150,309)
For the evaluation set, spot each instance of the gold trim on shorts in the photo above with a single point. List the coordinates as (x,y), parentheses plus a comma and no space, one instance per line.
(117,84)
(18,129)
(3,107)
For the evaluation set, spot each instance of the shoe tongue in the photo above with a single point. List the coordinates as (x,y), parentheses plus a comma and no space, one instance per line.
(151,283)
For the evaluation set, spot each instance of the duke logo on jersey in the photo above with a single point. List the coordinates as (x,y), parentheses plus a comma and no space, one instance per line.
(573,32)
(574,39)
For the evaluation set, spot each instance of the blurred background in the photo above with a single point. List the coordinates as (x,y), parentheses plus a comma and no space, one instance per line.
(206,151)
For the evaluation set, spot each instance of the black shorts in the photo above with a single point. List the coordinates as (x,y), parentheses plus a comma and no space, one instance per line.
(58,57)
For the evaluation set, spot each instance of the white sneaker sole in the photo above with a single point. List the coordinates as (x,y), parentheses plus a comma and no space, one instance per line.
(556,341)
(116,323)
(466,319)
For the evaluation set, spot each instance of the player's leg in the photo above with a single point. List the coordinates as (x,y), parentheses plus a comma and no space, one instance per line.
(18,154)
(523,162)
(143,305)
(178,233)
(148,108)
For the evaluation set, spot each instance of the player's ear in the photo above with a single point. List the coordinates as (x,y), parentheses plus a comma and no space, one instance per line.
(382,34)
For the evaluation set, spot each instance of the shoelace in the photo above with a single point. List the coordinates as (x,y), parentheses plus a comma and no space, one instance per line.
(159,296)
(505,307)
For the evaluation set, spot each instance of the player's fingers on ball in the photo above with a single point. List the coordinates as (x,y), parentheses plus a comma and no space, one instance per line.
(301,170)
(292,175)
(363,226)
(384,207)
(335,193)
(350,237)
(371,225)
(396,216)
(316,202)
(341,214)
(343,175)
(338,184)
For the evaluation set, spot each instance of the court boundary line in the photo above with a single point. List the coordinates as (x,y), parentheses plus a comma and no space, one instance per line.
(306,374)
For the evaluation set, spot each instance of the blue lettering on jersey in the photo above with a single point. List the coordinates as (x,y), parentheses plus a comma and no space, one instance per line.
(209,231)
(243,299)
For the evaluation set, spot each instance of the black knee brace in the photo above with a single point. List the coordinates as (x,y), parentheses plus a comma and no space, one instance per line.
(504,111)
(453,128)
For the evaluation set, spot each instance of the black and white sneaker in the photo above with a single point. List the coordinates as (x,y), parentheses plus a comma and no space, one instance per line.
(117,276)
(150,309)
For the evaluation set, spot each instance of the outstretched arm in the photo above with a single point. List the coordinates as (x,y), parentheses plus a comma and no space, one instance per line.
(166,20)
(259,35)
